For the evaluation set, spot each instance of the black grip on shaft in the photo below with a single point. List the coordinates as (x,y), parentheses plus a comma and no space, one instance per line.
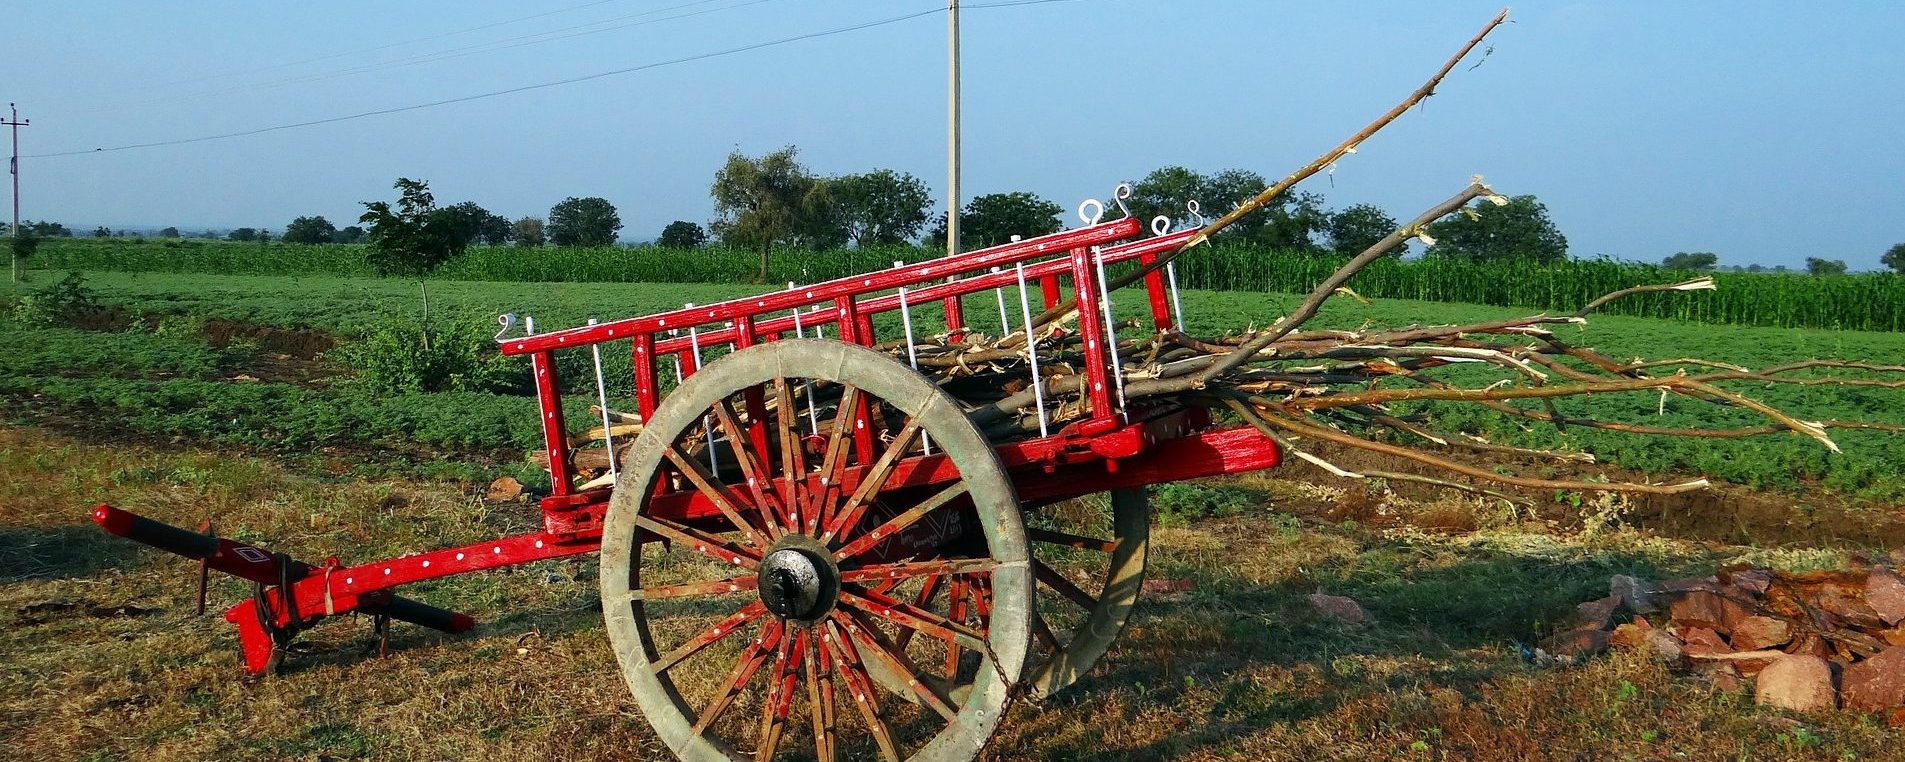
(171,539)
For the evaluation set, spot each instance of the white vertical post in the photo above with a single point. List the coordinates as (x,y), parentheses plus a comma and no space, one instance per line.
(1031,350)
(912,358)
(707,426)
(1170,271)
(1111,330)
(1005,323)
(602,399)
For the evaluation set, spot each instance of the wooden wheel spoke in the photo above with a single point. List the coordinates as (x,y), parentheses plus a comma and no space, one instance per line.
(750,662)
(780,695)
(873,480)
(956,609)
(723,498)
(909,569)
(1050,577)
(860,686)
(873,643)
(927,590)
(1043,632)
(833,466)
(1080,542)
(906,615)
(899,523)
(753,467)
(820,697)
(793,455)
(732,624)
(696,589)
(706,544)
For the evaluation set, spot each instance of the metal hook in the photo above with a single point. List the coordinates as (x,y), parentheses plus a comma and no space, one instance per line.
(1195,211)
(1118,196)
(508,321)
(1160,224)
(1097,211)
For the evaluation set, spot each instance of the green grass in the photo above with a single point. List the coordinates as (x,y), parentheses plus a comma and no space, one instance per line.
(1873,465)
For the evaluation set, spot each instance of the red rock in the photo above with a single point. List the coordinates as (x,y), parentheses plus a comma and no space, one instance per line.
(1848,605)
(1799,683)
(1167,589)
(1708,584)
(1726,678)
(1662,646)
(1885,593)
(1701,640)
(1756,632)
(1700,608)
(1754,581)
(1877,683)
(1599,614)
(504,490)
(1630,635)
(1338,607)
(1896,718)
(1892,637)
(1749,663)
(1810,644)
(1579,643)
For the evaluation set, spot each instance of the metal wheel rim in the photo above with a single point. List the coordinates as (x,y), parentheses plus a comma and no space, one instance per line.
(991,491)
(1105,621)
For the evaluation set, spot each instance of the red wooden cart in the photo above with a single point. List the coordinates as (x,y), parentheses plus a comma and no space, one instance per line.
(814,513)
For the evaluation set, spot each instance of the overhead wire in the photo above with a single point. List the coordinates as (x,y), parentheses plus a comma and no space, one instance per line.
(536,86)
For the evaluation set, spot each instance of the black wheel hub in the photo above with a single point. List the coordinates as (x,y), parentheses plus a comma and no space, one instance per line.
(798,583)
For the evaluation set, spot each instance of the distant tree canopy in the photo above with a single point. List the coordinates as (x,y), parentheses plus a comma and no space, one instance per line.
(349,234)
(1894,258)
(770,201)
(45,229)
(587,221)
(994,218)
(310,230)
(879,207)
(102,232)
(169,232)
(1817,266)
(1700,261)
(415,237)
(242,234)
(1354,229)
(682,234)
(1519,229)
(478,225)
(527,232)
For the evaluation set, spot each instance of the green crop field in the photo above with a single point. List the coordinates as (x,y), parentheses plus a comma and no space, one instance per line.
(1863,302)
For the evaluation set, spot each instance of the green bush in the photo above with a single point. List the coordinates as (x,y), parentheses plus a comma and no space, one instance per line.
(54,304)
(402,357)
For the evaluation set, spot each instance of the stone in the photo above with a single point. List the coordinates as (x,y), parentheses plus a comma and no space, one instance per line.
(1848,604)
(1810,644)
(1885,593)
(1635,593)
(1340,608)
(1757,632)
(1663,647)
(1798,683)
(1630,635)
(1749,663)
(1687,584)
(1599,614)
(1754,581)
(1892,637)
(504,490)
(1725,678)
(1702,640)
(1579,643)
(1699,608)
(1876,684)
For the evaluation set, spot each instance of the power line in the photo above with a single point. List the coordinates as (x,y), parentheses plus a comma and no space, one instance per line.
(539,85)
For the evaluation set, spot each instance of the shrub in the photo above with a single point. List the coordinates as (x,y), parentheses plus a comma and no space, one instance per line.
(400,357)
(54,304)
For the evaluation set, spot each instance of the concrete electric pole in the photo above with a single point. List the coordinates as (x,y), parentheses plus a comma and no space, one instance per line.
(19,266)
(952,142)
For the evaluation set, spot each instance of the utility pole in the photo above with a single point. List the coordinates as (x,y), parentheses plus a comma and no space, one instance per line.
(952,129)
(15,122)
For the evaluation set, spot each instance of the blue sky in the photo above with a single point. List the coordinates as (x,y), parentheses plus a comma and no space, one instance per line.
(1766,132)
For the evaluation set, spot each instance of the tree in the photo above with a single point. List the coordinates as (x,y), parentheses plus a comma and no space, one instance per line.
(879,207)
(169,232)
(1169,190)
(45,229)
(682,234)
(994,218)
(588,221)
(1817,266)
(102,232)
(413,239)
(478,224)
(1894,258)
(762,202)
(527,232)
(242,234)
(25,242)
(1354,229)
(1519,229)
(310,230)
(1699,261)
(349,234)
(1756,268)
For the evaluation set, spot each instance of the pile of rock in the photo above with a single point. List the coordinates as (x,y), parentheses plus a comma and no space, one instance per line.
(1807,641)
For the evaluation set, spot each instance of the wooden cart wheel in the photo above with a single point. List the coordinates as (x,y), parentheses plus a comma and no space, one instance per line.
(1088,559)
(755,632)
